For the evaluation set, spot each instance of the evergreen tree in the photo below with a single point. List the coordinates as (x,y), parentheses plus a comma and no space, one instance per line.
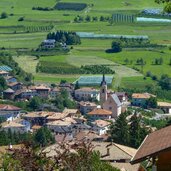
(44,137)
(120,130)
(137,132)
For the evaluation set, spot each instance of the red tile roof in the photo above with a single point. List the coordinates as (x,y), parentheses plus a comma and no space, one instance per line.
(100,112)
(5,107)
(154,144)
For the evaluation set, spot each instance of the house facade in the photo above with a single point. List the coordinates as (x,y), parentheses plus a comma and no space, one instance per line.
(86,107)
(100,114)
(140,99)
(86,94)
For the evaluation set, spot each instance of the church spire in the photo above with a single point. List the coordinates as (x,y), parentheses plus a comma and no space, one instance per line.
(103,82)
(103,91)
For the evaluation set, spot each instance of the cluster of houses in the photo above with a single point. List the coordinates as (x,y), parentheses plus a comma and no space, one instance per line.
(96,110)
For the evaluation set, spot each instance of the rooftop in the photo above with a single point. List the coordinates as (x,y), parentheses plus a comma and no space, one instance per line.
(116,99)
(112,151)
(100,112)
(86,89)
(5,107)
(154,144)
(3,72)
(142,95)
(57,116)
(87,104)
(11,124)
(101,123)
(9,90)
(63,122)
(38,114)
(164,104)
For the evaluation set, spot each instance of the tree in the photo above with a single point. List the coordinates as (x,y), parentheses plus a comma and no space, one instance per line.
(137,132)
(35,103)
(151,102)
(4,15)
(63,100)
(88,18)
(167,7)
(116,47)
(3,84)
(95,19)
(120,131)
(165,82)
(44,137)
(102,18)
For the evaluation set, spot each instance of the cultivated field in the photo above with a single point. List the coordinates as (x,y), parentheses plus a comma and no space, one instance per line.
(36,24)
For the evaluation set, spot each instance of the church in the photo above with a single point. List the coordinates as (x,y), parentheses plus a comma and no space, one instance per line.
(109,101)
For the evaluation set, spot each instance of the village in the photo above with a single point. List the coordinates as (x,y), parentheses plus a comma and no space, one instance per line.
(95,110)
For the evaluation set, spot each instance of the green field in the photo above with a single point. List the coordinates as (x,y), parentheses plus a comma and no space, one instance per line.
(14,34)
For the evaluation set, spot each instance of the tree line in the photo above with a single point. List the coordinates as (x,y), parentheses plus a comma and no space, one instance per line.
(70,38)
(88,18)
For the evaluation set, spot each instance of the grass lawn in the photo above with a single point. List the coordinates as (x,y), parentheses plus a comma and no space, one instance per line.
(136,82)
(27,63)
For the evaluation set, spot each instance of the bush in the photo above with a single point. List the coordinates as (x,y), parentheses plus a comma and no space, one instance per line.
(21,19)
(116,47)
(4,15)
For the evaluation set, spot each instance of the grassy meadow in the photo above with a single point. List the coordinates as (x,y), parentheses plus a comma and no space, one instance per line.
(29,33)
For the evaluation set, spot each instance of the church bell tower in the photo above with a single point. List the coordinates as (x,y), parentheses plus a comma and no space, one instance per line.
(103,91)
